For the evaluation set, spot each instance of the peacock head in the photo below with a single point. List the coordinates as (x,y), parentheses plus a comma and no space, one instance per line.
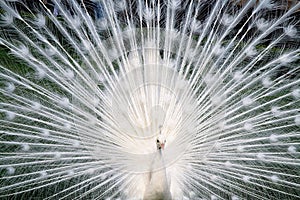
(160,143)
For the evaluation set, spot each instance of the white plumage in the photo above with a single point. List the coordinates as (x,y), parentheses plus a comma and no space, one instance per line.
(149,99)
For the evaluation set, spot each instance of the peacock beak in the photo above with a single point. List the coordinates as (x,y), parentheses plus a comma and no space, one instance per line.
(162,145)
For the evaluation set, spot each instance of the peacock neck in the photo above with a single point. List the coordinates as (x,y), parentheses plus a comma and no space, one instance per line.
(158,185)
